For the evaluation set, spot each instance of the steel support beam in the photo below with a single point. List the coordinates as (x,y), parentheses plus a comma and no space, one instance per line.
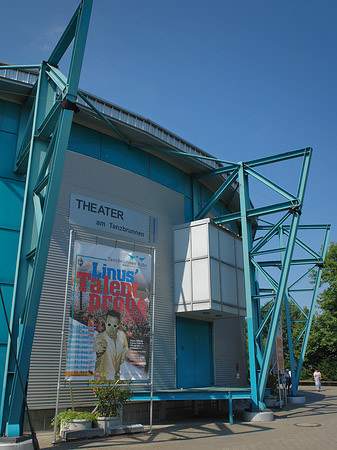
(108,122)
(42,162)
(249,272)
(217,195)
(278,158)
(258,212)
(284,275)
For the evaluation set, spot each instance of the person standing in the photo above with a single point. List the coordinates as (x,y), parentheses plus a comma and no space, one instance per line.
(287,378)
(317,378)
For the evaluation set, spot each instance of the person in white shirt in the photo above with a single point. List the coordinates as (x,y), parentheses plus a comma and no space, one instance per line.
(287,378)
(317,378)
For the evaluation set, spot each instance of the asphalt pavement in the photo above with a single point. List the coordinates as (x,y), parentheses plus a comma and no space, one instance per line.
(311,426)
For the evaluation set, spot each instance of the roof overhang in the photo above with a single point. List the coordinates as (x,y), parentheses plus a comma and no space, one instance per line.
(17,85)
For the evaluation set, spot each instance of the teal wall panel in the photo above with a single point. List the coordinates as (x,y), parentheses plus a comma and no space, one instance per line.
(24,118)
(7,151)
(11,198)
(188,210)
(9,116)
(3,352)
(206,195)
(164,173)
(118,153)
(187,185)
(7,292)
(85,141)
(8,244)
(113,151)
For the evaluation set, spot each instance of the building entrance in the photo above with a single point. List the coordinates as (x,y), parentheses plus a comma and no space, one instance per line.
(194,353)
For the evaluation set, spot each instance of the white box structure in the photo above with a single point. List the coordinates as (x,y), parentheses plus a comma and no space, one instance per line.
(208,270)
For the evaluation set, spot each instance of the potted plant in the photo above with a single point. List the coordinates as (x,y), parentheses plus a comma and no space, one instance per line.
(71,420)
(111,395)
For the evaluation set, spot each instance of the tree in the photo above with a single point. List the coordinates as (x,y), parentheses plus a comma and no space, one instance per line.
(321,349)
(322,345)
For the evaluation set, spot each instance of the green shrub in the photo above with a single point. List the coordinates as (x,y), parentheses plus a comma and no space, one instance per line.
(272,384)
(69,415)
(111,396)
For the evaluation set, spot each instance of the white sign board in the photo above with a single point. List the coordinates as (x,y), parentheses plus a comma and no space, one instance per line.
(103,216)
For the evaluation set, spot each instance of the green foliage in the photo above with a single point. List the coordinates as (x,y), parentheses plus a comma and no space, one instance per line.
(111,396)
(321,352)
(322,345)
(69,415)
(272,384)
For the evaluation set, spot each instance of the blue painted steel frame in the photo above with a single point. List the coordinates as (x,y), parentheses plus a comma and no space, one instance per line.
(189,394)
(260,354)
(51,119)
(229,394)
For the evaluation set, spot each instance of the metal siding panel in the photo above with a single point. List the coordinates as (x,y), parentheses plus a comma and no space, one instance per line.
(85,141)
(229,350)
(188,210)
(7,292)
(9,244)
(10,117)
(8,150)
(115,150)
(163,173)
(11,198)
(103,181)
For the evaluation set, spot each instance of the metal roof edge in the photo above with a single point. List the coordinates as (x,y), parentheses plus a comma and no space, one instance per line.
(119,114)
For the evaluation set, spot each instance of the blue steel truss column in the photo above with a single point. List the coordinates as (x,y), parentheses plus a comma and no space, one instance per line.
(250,283)
(259,355)
(42,188)
(25,243)
(284,274)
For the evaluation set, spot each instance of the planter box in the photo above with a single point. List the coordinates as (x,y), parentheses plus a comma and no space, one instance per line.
(270,401)
(108,422)
(75,425)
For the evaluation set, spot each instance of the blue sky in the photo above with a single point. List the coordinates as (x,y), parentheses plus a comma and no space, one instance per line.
(241,79)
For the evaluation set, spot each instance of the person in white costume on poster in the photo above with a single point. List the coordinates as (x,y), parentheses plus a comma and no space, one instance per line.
(111,348)
(109,324)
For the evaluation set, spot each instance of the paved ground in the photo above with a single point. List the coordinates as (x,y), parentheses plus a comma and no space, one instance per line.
(283,433)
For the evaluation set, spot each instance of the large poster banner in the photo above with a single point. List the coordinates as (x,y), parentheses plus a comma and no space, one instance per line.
(109,324)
